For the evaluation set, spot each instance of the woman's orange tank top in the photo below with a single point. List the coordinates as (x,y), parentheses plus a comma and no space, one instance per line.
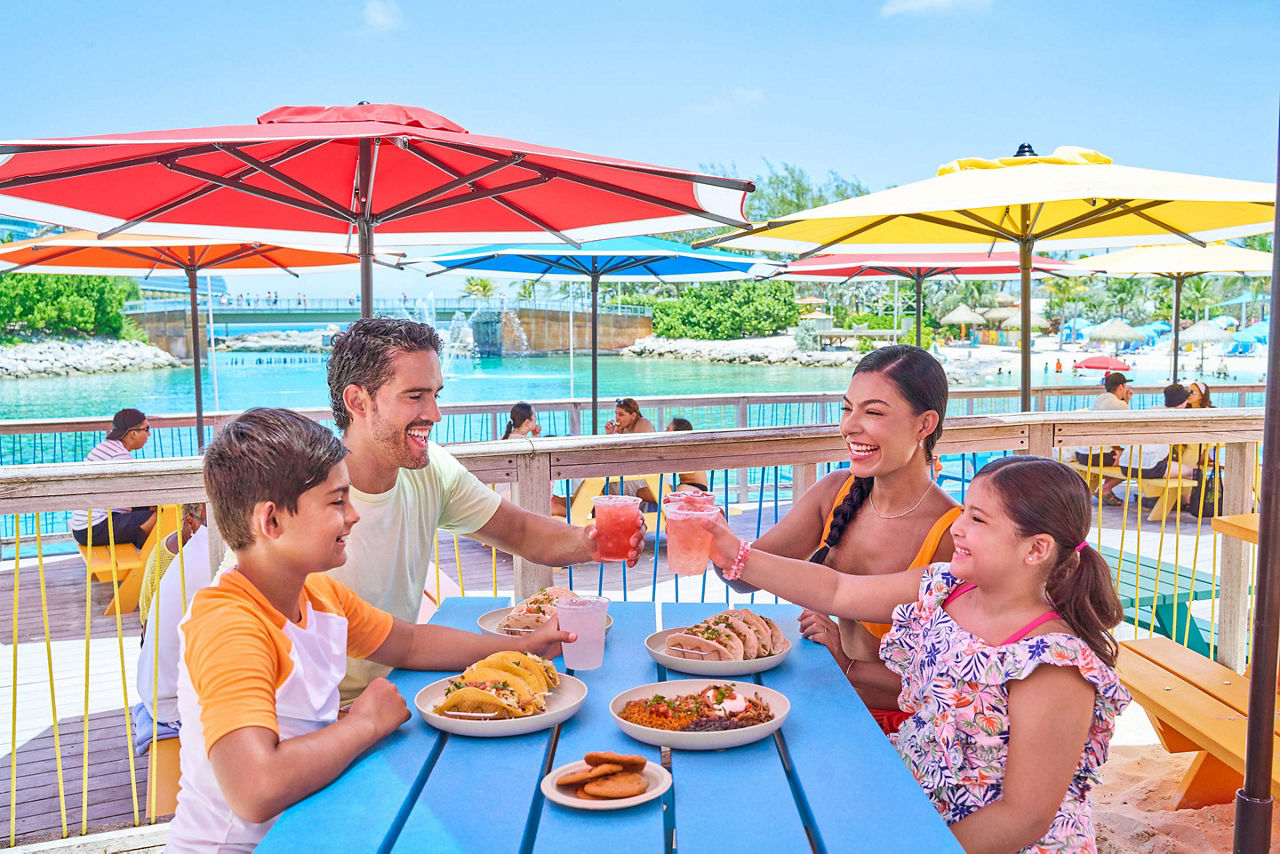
(924,555)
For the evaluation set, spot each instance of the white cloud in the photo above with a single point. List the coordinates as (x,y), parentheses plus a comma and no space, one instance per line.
(382,15)
(728,102)
(923,7)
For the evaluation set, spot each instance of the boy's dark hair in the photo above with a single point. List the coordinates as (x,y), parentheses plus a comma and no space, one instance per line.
(1175,394)
(265,455)
(362,356)
(681,424)
(1114,380)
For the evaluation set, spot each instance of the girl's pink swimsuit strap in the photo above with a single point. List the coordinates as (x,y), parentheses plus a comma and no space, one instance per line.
(1020,633)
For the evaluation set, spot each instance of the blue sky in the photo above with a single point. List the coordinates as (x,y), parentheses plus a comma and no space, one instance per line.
(882,90)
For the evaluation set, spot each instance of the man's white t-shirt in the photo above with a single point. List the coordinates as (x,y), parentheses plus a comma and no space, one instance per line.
(1102,403)
(390,549)
(158,676)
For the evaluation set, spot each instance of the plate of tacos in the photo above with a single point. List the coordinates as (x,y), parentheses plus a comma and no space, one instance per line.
(507,693)
(527,614)
(736,642)
(699,714)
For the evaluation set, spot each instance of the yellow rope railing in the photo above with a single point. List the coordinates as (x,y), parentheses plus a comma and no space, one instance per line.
(53,698)
(124,679)
(13,694)
(88,632)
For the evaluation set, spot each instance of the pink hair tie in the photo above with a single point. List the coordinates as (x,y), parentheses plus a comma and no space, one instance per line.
(1082,545)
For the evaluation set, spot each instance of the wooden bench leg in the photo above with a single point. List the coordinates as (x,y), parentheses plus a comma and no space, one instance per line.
(126,594)
(1208,781)
(162,777)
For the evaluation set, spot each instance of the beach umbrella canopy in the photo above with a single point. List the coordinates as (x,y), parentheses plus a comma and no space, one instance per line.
(811,301)
(1102,363)
(335,176)
(1115,330)
(1038,321)
(1242,299)
(919,267)
(999,314)
(82,253)
(1002,298)
(962,314)
(1180,262)
(1071,200)
(1260,330)
(1205,332)
(627,259)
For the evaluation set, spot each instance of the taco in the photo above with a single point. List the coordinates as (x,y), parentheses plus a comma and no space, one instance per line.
(764,637)
(722,637)
(526,698)
(697,648)
(479,699)
(779,642)
(529,614)
(518,664)
(727,622)
(548,668)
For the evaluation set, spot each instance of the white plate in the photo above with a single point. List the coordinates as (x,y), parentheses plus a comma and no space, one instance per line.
(659,781)
(778,704)
(488,623)
(656,643)
(562,702)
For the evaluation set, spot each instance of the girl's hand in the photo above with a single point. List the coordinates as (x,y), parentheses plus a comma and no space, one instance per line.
(537,430)
(820,628)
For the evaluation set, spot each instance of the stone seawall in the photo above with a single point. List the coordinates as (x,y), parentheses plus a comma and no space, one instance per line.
(778,350)
(90,356)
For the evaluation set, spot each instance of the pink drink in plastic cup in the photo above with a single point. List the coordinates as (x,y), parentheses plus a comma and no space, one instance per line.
(688,542)
(617,521)
(585,616)
(699,499)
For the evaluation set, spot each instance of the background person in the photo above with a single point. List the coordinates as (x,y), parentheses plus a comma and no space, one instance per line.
(523,422)
(628,418)
(1116,396)
(1198,396)
(129,432)
(1154,461)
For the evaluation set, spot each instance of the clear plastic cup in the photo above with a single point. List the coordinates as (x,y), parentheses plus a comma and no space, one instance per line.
(586,617)
(688,541)
(617,521)
(701,499)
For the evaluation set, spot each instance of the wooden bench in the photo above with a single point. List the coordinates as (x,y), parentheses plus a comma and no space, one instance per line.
(1167,493)
(162,777)
(130,562)
(1196,704)
(1161,592)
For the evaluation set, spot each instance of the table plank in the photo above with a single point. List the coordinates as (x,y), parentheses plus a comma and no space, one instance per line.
(626,665)
(859,793)
(754,780)
(480,788)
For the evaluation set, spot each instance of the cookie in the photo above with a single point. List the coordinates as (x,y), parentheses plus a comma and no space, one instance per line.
(629,762)
(595,771)
(624,784)
(581,793)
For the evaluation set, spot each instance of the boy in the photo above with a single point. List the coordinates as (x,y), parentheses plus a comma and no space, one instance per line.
(263,648)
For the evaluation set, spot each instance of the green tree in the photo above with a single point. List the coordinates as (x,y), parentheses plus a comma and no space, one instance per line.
(480,288)
(727,310)
(65,304)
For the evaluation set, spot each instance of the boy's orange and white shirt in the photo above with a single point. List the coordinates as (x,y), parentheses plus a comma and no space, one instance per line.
(243,664)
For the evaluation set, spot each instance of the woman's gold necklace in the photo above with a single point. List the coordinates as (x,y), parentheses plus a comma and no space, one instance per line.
(872,499)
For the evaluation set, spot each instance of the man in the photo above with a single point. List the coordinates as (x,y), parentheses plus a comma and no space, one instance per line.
(384,383)
(1116,396)
(1155,461)
(129,432)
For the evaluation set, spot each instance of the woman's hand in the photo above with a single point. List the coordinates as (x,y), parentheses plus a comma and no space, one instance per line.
(724,542)
(610,427)
(819,628)
(536,431)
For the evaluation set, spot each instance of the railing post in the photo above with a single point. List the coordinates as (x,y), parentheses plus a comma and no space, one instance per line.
(744,475)
(803,476)
(531,491)
(575,418)
(217,546)
(1039,441)
(1236,572)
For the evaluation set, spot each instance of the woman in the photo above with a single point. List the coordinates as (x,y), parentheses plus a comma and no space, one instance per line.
(1199,396)
(628,418)
(523,423)
(884,515)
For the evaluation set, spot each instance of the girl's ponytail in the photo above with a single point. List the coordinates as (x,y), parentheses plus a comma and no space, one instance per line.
(510,426)
(1044,496)
(520,413)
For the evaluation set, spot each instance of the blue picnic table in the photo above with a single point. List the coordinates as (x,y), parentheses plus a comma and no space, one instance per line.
(827,781)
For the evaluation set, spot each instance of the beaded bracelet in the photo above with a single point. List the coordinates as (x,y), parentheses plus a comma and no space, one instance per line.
(734,572)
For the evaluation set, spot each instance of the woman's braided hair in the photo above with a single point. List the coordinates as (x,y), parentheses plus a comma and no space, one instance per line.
(922,382)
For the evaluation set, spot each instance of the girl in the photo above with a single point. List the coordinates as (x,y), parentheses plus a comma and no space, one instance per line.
(1005,653)
(883,515)
(1199,396)
(523,422)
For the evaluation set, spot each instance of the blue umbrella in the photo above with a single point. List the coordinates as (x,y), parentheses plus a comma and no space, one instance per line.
(624,259)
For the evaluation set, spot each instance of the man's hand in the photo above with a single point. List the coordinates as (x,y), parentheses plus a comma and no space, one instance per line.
(637,542)
(546,639)
(381,706)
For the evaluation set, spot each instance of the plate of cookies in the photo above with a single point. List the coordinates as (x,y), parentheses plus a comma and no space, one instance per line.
(736,642)
(603,780)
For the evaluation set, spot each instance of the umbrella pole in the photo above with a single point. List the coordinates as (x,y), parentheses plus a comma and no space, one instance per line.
(919,307)
(1253,800)
(364,225)
(366,269)
(192,284)
(1024,262)
(595,351)
(1177,321)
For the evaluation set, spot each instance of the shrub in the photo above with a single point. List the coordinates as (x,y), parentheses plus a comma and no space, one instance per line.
(62,304)
(727,310)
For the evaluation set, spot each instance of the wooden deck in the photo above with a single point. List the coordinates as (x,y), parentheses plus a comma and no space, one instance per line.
(38,814)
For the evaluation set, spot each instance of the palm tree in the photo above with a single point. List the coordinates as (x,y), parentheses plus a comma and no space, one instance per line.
(1061,291)
(480,288)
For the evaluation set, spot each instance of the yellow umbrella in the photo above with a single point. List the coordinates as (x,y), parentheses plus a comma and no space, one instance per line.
(1180,262)
(1073,199)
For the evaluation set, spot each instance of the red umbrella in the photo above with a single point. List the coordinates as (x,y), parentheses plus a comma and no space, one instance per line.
(1102,363)
(325,176)
(920,266)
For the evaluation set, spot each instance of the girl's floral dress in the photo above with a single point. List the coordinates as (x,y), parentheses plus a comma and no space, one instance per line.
(954,687)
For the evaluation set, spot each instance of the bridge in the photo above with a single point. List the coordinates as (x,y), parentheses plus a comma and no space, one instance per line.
(545,323)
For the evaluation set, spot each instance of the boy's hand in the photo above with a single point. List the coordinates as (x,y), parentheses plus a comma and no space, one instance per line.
(546,639)
(381,706)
